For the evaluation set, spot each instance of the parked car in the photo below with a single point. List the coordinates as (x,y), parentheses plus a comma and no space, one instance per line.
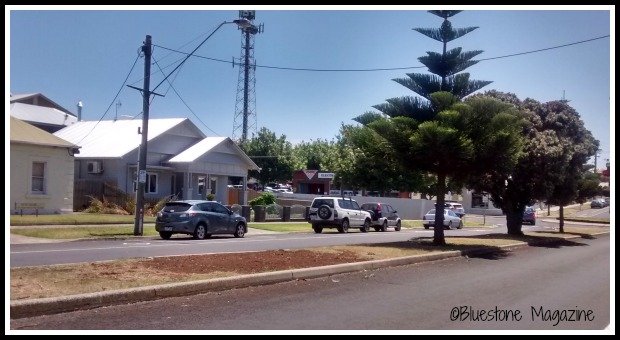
(198,218)
(382,216)
(339,213)
(456,207)
(529,215)
(598,203)
(450,219)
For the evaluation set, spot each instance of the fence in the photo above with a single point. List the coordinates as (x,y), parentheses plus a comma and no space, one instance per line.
(96,188)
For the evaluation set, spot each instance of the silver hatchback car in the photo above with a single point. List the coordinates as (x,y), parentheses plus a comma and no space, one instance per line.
(450,219)
(201,219)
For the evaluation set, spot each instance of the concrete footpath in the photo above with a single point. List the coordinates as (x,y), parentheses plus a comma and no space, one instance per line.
(43,306)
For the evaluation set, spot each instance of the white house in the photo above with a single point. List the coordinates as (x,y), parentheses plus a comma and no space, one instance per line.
(40,111)
(181,160)
(41,170)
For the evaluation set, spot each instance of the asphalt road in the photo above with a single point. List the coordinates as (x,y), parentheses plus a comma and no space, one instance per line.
(531,288)
(103,250)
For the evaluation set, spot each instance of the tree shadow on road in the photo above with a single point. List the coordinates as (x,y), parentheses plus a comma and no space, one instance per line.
(489,252)
(490,247)
(582,235)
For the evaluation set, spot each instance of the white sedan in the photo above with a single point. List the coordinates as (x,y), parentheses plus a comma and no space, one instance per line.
(450,219)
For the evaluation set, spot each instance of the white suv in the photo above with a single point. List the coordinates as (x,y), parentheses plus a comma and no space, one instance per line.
(339,213)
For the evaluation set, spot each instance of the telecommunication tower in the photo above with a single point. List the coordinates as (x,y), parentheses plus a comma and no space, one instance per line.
(245,106)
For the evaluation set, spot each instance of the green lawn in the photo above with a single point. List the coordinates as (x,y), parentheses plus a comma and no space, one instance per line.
(82,232)
(284,227)
(75,219)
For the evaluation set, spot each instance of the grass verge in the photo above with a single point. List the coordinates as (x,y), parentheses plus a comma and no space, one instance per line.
(83,232)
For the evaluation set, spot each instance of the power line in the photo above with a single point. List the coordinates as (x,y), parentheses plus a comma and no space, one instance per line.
(546,49)
(378,69)
(183,101)
(113,100)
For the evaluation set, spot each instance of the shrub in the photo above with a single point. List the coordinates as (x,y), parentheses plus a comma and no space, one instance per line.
(266,198)
(210,197)
(104,206)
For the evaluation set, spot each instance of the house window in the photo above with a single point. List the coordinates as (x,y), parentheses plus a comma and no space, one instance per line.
(38,178)
(150,186)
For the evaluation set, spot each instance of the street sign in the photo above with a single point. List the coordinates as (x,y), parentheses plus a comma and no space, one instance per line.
(142,176)
(326,175)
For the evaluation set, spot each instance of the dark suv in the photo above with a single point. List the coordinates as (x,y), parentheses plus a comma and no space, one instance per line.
(201,219)
(382,216)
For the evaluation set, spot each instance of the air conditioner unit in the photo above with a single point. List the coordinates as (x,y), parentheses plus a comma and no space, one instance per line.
(95,167)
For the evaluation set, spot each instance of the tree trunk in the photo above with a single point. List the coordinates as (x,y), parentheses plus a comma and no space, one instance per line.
(561,218)
(514,221)
(438,235)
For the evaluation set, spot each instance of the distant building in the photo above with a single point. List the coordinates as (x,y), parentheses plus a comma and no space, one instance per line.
(312,182)
(41,171)
(40,111)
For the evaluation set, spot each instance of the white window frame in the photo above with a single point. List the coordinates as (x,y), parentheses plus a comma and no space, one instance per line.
(44,178)
(147,185)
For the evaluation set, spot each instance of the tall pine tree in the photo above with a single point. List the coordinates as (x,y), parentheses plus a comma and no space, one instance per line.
(436,132)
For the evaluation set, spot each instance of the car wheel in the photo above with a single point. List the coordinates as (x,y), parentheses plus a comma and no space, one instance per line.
(200,232)
(324,212)
(426,226)
(317,230)
(460,225)
(384,226)
(397,226)
(366,227)
(377,228)
(239,230)
(165,234)
(344,227)
(449,225)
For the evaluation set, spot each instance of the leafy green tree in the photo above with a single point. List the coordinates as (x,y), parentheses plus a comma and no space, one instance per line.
(436,133)
(578,146)
(553,134)
(320,154)
(272,154)
(374,164)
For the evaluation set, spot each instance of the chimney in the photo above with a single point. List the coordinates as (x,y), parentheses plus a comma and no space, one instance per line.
(79,110)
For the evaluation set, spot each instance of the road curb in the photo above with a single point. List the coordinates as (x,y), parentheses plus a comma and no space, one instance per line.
(43,306)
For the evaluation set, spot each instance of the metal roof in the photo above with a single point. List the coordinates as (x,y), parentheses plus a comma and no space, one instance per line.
(207,145)
(113,139)
(22,132)
(41,114)
(19,97)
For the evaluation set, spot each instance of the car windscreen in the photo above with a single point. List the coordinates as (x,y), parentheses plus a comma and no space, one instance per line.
(369,206)
(176,207)
(319,202)
(431,212)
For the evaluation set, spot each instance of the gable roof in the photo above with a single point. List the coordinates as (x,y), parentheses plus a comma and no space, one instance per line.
(24,97)
(24,133)
(41,114)
(207,145)
(114,139)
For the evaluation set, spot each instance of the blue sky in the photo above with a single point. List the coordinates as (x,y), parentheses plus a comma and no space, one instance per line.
(75,54)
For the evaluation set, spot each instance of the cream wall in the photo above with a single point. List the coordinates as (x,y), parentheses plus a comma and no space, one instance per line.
(59,171)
